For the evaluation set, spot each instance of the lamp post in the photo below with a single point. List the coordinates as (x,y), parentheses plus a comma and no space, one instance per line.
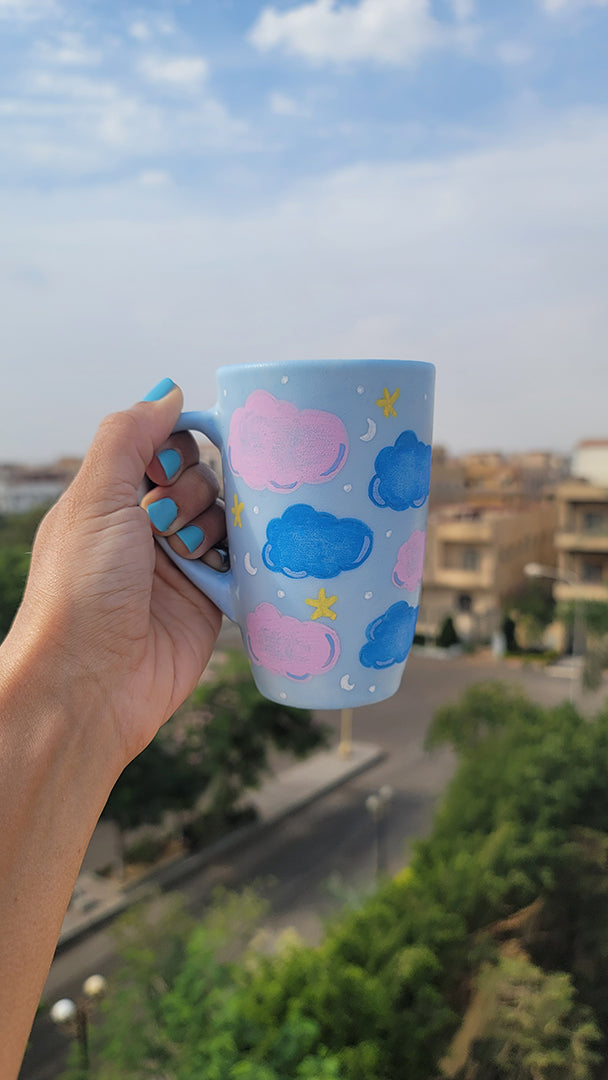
(377,806)
(537,570)
(73,1016)
(345,746)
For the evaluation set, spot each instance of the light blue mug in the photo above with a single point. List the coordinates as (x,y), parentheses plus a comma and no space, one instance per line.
(326,469)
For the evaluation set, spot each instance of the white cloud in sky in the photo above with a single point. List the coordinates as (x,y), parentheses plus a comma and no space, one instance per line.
(284,105)
(179,72)
(513,53)
(490,264)
(28,10)
(154,178)
(146,29)
(383,31)
(557,6)
(68,50)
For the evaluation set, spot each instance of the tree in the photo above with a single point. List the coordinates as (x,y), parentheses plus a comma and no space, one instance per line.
(216,746)
(533,606)
(16,538)
(14,566)
(229,727)
(447,635)
(534,1028)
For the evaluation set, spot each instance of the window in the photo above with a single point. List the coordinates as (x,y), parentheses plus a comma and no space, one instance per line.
(465,602)
(470,559)
(592,571)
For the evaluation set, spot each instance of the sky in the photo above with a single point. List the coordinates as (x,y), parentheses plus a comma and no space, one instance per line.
(186,184)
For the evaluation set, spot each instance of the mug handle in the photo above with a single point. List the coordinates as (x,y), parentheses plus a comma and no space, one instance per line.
(218,586)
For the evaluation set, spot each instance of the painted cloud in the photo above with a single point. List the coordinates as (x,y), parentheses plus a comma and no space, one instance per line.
(407,573)
(272,444)
(286,646)
(390,637)
(305,542)
(403,473)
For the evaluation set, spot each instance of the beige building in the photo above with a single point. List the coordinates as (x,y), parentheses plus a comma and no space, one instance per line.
(475,558)
(582,536)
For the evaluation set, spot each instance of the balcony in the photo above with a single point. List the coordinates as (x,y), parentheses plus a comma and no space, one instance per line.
(464,531)
(582,590)
(463,580)
(595,539)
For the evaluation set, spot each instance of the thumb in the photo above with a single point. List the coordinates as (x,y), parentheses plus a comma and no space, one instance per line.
(126,442)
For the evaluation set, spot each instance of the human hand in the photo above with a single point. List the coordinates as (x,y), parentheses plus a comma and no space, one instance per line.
(113,628)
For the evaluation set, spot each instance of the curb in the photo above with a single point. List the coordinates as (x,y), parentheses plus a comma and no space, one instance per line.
(184,866)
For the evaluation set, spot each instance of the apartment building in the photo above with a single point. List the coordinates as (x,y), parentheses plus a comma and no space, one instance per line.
(475,558)
(582,528)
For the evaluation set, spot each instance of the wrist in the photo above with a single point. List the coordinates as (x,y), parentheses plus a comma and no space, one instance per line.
(47,723)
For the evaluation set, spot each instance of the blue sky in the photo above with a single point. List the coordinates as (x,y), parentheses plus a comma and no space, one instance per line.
(189,184)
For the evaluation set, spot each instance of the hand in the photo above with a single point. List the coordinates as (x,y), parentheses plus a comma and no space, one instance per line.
(113,627)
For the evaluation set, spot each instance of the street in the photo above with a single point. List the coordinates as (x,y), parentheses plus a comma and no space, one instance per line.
(330,841)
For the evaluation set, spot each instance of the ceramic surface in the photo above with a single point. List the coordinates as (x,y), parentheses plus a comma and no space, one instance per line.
(326,473)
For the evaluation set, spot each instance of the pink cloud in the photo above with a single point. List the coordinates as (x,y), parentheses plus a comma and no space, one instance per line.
(407,573)
(286,646)
(272,444)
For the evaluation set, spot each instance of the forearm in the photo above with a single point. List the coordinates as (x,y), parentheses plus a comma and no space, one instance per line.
(52,789)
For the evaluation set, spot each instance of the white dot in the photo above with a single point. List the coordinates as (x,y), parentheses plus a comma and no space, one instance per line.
(280,593)
(372,689)
(426,397)
(225,393)
(256,509)
(390,532)
(285,379)
(283,696)
(368,595)
(348,487)
(360,389)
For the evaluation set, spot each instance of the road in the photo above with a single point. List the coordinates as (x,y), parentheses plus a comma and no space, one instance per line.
(332,839)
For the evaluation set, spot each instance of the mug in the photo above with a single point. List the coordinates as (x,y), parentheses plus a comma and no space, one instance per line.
(326,468)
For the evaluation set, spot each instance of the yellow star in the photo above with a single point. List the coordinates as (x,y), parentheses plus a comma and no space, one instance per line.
(237,510)
(322,606)
(387,402)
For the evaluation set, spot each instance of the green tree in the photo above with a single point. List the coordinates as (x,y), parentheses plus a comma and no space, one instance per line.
(14,566)
(534,1027)
(533,606)
(158,780)
(16,538)
(217,746)
(447,635)
(233,728)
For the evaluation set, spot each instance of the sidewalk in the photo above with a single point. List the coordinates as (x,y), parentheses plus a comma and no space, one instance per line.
(97,900)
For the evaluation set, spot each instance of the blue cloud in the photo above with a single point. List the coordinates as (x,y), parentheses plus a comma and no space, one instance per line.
(304,542)
(403,473)
(389,637)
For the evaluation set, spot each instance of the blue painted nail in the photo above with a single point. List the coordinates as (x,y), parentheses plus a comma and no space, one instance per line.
(191,536)
(162,513)
(160,390)
(170,461)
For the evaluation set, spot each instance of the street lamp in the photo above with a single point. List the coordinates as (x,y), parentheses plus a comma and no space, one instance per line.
(537,570)
(73,1017)
(377,806)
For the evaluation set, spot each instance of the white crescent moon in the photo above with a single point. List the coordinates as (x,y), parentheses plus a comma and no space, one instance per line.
(346,684)
(248,567)
(371,430)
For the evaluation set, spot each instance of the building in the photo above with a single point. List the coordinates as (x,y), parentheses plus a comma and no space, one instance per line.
(582,527)
(24,487)
(475,558)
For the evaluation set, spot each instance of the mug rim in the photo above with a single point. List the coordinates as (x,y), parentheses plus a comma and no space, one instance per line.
(301,363)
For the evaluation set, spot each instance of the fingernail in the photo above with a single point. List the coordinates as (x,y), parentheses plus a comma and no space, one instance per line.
(191,536)
(170,461)
(160,390)
(162,513)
